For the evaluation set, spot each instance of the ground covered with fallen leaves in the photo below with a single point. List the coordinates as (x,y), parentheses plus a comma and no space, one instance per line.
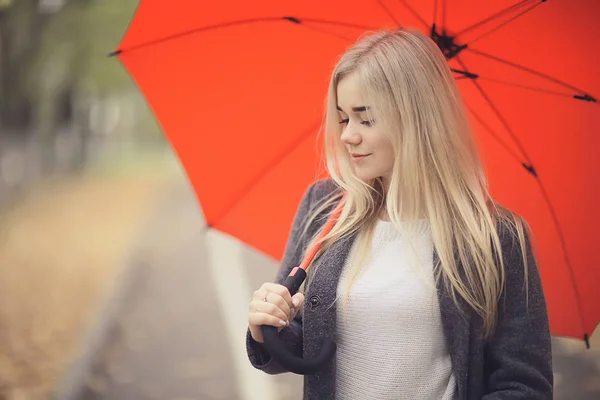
(61,248)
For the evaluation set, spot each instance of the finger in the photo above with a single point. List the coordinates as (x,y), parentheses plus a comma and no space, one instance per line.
(280,290)
(298,300)
(279,302)
(269,308)
(258,319)
(273,298)
(260,294)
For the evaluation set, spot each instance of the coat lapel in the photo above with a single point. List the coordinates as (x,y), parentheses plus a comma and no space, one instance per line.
(456,325)
(320,316)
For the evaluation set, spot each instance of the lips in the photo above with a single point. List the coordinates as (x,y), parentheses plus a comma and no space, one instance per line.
(358,157)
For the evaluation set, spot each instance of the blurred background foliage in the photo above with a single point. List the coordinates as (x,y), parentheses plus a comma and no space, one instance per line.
(81,166)
(59,88)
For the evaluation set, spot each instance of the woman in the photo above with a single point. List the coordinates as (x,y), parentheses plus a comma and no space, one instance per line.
(427,285)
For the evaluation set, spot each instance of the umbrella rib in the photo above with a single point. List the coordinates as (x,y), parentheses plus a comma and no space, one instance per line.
(235,23)
(493,16)
(192,31)
(347,25)
(526,69)
(531,170)
(263,172)
(344,38)
(336,23)
(444,14)
(535,89)
(496,136)
(413,12)
(498,114)
(505,23)
(563,244)
(388,12)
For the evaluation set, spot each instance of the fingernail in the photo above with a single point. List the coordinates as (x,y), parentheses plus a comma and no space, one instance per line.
(282,322)
(296,301)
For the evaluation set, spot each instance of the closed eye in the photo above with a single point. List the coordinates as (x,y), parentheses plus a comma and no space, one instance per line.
(366,123)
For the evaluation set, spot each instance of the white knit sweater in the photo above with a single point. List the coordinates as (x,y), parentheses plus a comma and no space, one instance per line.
(392,345)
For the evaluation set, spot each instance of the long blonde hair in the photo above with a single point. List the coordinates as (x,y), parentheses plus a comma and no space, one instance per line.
(437,173)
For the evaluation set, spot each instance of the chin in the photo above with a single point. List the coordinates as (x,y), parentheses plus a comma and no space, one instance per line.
(365,177)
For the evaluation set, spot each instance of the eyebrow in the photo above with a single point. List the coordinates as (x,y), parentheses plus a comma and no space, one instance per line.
(355,109)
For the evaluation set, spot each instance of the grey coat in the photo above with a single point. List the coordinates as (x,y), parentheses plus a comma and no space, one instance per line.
(515,363)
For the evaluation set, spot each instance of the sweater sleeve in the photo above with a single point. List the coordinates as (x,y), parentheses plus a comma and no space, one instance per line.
(519,355)
(292,334)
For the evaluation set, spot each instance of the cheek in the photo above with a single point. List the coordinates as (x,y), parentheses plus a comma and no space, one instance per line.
(386,153)
(390,157)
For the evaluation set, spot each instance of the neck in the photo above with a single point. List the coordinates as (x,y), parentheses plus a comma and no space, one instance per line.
(383,215)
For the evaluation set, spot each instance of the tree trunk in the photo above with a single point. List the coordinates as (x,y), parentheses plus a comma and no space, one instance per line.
(15,111)
(21,29)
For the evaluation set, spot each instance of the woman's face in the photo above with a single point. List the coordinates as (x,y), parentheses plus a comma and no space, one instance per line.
(370,149)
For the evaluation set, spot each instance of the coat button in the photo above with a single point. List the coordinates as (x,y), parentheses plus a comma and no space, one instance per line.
(314,300)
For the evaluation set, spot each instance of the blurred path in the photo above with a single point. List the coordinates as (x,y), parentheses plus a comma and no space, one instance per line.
(179,332)
(61,246)
(576,369)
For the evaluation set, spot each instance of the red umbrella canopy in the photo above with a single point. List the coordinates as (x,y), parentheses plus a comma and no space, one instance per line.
(238,88)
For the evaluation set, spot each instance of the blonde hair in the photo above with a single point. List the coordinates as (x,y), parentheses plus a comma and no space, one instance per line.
(437,173)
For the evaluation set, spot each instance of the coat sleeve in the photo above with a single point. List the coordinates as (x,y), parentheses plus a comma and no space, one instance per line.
(518,356)
(292,334)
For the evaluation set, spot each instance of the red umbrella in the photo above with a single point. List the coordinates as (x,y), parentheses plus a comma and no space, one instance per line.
(238,88)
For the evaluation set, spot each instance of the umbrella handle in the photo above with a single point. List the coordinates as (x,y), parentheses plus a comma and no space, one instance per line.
(273,342)
(276,347)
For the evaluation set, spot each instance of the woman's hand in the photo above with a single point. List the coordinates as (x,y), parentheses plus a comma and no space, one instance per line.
(272,305)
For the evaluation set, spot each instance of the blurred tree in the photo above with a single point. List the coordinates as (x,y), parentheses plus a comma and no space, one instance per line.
(21,28)
(54,67)
(64,76)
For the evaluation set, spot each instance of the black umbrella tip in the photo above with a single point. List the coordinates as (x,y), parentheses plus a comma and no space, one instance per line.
(585,97)
(586,337)
(293,19)
(115,53)
(530,169)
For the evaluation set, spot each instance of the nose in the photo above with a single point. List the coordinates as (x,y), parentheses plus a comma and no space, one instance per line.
(350,137)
